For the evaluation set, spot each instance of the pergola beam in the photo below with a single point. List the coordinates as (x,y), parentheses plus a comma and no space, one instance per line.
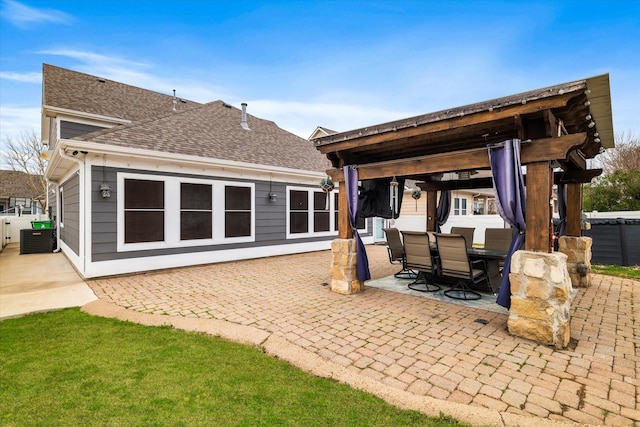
(544,149)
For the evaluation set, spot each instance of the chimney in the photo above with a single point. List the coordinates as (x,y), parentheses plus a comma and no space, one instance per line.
(243,123)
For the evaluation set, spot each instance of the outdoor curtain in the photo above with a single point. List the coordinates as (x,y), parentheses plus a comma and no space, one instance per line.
(375,198)
(562,210)
(443,209)
(351,183)
(508,186)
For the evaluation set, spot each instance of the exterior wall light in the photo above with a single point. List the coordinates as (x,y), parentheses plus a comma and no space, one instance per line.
(273,197)
(106,190)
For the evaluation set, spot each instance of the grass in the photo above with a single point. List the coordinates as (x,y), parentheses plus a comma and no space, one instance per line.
(617,270)
(69,368)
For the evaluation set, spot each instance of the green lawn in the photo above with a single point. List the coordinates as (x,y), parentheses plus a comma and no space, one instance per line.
(67,368)
(617,270)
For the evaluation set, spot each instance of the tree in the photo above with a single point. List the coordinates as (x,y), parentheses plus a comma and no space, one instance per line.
(624,157)
(619,191)
(24,154)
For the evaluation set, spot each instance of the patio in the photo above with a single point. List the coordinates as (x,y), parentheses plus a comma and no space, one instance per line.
(434,354)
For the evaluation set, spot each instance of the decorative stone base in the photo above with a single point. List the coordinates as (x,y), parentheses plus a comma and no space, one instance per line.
(578,250)
(343,276)
(540,297)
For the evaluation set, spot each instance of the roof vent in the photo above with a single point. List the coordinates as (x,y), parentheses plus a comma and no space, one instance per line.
(243,123)
(174,101)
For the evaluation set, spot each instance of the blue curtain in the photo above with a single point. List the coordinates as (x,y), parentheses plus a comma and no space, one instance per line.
(351,183)
(443,209)
(562,210)
(508,185)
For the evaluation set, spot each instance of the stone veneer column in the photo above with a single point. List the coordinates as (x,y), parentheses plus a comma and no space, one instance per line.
(578,250)
(540,297)
(343,277)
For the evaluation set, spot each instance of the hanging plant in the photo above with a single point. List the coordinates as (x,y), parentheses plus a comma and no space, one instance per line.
(416,194)
(327,185)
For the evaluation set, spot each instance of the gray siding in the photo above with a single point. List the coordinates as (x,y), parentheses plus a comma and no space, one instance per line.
(70,130)
(70,233)
(270,218)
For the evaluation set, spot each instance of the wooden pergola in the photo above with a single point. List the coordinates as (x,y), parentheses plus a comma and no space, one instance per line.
(560,128)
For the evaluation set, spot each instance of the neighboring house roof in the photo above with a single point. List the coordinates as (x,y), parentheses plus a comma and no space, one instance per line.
(17,184)
(74,91)
(213,130)
(321,131)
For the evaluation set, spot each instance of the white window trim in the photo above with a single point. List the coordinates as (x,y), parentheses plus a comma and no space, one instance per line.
(172,213)
(310,191)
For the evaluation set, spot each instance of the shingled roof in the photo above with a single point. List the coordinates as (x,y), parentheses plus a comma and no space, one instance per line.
(17,184)
(71,90)
(213,130)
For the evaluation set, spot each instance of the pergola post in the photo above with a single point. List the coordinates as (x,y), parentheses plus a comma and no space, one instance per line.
(574,210)
(432,202)
(344,225)
(576,247)
(538,218)
(343,276)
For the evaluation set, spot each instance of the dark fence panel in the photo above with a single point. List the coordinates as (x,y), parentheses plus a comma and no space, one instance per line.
(615,241)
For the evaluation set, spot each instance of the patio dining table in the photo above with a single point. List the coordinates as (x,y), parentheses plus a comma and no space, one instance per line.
(491,257)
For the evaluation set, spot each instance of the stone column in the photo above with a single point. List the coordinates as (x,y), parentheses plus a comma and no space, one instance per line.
(343,276)
(540,297)
(578,251)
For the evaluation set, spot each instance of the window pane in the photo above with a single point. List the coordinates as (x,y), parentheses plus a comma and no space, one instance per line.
(237,224)
(237,198)
(335,214)
(299,200)
(143,226)
(319,201)
(321,221)
(143,194)
(299,222)
(195,225)
(195,196)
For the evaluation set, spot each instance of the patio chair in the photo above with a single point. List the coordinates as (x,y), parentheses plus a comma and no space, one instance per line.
(498,238)
(395,248)
(455,264)
(418,257)
(467,232)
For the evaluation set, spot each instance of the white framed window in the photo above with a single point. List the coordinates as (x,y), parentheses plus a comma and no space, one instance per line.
(156,211)
(361,223)
(459,206)
(310,213)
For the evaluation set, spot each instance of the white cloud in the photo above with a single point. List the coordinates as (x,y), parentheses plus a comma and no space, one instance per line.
(21,77)
(14,121)
(301,118)
(23,16)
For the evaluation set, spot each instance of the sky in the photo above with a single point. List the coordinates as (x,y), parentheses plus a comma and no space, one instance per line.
(341,64)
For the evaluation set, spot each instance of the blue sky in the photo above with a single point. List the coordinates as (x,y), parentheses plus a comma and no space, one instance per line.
(339,64)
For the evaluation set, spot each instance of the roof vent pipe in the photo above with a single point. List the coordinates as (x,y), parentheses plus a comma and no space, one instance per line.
(243,123)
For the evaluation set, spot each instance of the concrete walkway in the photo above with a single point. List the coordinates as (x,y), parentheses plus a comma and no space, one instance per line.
(414,352)
(38,282)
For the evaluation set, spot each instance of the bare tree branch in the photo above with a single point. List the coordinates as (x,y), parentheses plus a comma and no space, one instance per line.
(24,154)
(624,157)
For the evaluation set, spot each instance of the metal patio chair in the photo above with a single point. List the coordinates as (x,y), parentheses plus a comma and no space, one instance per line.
(395,248)
(467,232)
(455,264)
(418,257)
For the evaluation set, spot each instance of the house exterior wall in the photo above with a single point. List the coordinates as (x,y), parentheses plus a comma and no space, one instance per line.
(106,256)
(69,129)
(70,222)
